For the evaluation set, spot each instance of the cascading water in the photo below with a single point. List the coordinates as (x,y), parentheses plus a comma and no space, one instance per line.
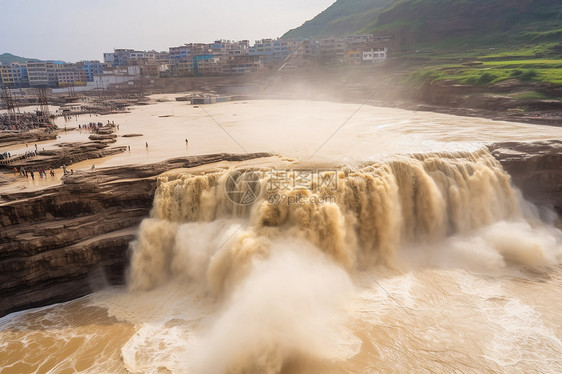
(424,263)
(281,277)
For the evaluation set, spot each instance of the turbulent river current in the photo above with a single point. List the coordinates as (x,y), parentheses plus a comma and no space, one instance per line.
(427,262)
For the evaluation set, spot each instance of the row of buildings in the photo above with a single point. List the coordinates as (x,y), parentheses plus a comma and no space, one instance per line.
(49,74)
(235,57)
(222,57)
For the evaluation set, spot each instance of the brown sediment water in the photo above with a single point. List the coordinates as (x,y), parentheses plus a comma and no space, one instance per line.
(413,254)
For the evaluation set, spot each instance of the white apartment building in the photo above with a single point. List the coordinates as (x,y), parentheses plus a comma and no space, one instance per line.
(374,54)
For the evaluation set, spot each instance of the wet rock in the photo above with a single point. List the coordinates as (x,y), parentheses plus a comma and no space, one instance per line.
(131,135)
(67,154)
(62,242)
(535,168)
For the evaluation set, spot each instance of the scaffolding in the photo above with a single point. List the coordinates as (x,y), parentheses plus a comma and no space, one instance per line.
(43,113)
(10,104)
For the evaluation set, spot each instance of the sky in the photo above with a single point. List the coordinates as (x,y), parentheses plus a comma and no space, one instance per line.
(74,30)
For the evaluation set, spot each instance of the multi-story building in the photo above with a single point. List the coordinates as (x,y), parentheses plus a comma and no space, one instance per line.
(301,53)
(208,65)
(354,55)
(91,68)
(38,73)
(229,48)
(374,54)
(124,57)
(162,57)
(270,51)
(240,64)
(354,39)
(14,75)
(331,50)
(181,53)
(262,48)
(241,47)
(117,75)
(70,75)
(219,47)
(181,69)
(214,58)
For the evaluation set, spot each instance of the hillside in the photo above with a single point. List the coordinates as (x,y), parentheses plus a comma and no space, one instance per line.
(341,18)
(8,58)
(441,23)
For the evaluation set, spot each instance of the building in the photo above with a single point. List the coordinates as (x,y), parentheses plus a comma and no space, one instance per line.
(91,68)
(38,73)
(354,55)
(117,75)
(208,65)
(271,51)
(70,75)
(240,64)
(331,50)
(263,49)
(180,69)
(124,57)
(357,39)
(215,58)
(181,53)
(374,54)
(241,47)
(14,75)
(302,53)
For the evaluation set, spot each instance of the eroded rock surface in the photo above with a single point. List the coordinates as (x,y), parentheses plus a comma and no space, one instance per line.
(66,241)
(67,154)
(535,168)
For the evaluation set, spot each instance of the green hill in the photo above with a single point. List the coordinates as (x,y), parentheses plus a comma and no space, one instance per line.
(8,58)
(442,24)
(344,17)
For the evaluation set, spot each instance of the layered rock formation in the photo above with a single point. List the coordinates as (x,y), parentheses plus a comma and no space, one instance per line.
(535,168)
(67,154)
(17,137)
(64,242)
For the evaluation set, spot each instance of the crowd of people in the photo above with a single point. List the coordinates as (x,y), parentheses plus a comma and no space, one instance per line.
(23,172)
(96,126)
(8,155)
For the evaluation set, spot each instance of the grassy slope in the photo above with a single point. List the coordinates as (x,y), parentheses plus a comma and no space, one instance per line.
(344,17)
(477,42)
(441,23)
(450,24)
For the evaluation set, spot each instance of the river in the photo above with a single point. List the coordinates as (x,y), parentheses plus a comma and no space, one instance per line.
(383,241)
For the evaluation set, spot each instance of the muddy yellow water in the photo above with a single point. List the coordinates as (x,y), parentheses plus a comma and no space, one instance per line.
(65,338)
(430,263)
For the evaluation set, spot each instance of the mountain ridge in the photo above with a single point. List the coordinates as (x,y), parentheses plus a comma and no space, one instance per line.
(441,23)
(8,58)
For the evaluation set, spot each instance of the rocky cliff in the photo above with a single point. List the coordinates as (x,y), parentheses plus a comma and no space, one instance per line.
(64,242)
(535,168)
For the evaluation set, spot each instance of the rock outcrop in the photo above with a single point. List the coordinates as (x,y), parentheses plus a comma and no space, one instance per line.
(67,154)
(18,137)
(63,242)
(535,168)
